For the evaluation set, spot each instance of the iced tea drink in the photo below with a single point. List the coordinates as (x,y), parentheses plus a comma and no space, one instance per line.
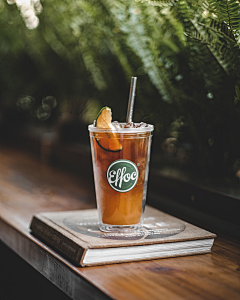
(120,164)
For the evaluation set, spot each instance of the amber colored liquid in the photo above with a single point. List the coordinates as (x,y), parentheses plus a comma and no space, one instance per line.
(118,208)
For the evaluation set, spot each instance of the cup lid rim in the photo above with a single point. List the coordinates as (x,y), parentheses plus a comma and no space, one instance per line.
(122,130)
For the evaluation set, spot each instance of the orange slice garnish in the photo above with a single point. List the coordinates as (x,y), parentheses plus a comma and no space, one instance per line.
(106,140)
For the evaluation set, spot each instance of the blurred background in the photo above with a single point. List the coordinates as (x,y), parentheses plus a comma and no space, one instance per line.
(61,61)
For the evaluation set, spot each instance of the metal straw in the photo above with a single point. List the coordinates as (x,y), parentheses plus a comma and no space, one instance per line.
(131,99)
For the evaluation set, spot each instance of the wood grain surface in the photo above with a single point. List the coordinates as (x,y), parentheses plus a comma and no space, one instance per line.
(27,187)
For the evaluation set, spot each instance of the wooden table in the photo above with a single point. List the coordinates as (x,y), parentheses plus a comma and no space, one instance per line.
(27,186)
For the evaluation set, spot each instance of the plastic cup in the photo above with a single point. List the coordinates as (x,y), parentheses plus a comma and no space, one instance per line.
(120,166)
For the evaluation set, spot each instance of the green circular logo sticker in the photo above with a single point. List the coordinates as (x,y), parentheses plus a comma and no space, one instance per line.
(122,175)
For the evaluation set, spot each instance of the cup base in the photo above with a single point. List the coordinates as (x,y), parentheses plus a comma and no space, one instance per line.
(120,228)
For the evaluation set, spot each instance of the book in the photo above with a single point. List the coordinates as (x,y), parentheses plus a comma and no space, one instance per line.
(75,235)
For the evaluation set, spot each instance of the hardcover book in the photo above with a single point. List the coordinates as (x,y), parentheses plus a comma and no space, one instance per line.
(75,235)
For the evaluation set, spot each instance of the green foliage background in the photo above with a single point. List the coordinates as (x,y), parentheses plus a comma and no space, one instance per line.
(83,53)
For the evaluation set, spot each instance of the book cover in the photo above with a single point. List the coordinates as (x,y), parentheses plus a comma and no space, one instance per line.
(75,234)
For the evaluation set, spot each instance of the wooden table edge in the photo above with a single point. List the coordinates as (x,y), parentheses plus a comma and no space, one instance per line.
(49,263)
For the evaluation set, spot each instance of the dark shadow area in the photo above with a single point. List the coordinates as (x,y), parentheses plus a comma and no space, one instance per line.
(20,281)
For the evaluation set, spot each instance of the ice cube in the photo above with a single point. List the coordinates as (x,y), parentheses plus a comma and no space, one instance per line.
(130,125)
(142,125)
(116,125)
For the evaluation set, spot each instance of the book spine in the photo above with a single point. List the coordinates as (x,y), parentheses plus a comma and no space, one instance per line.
(58,241)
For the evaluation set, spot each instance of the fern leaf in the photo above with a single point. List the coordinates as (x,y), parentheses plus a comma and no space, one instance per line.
(228,12)
(159,3)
